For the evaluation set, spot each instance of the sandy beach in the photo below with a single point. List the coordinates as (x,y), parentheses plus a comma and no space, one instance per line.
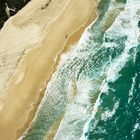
(38,40)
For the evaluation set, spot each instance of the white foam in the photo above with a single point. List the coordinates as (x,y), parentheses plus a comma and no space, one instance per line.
(104,87)
(108,114)
(113,71)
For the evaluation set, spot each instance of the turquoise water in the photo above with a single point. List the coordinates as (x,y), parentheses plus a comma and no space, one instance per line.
(104,72)
(123,95)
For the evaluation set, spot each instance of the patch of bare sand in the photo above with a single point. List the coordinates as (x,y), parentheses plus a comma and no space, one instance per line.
(22,32)
(22,97)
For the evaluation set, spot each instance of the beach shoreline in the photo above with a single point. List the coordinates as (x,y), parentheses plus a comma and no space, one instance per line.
(34,70)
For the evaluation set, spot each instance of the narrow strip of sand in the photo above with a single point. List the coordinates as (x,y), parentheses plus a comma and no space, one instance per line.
(23,94)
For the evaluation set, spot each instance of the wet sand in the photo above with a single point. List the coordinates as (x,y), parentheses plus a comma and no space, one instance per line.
(23,94)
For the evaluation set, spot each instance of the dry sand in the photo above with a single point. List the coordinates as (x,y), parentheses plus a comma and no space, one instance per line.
(47,39)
